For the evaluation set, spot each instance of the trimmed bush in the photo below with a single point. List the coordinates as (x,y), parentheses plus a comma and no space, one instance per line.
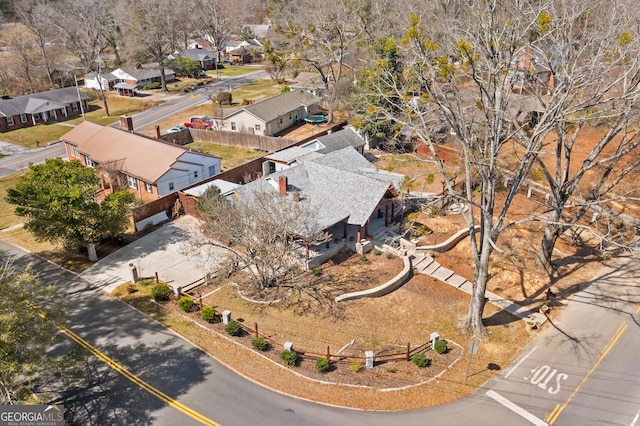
(440,346)
(233,328)
(151,86)
(391,369)
(161,292)
(208,314)
(289,357)
(389,255)
(259,343)
(185,303)
(421,360)
(363,257)
(376,252)
(323,365)
(355,366)
(316,272)
(224,98)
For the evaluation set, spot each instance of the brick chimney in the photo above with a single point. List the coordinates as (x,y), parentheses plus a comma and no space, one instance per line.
(158,132)
(126,123)
(283,183)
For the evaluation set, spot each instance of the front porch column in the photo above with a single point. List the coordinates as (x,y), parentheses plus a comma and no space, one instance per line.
(344,230)
(393,211)
(306,249)
(386,214)
(359,233)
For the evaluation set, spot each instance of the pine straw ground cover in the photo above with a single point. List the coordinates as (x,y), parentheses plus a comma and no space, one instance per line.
(312,321)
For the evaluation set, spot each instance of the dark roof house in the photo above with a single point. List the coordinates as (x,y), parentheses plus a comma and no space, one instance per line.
(40,108)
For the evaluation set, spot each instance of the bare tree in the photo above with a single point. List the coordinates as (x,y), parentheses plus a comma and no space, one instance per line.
(150,28)
(323,41)
(258,232)
(472,97)
(466,75)
(87,27)
(217,20)
(592,56)
(35,15)
(24,58)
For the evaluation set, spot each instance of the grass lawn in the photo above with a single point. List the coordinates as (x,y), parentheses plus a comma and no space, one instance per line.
(258,90)
(231,156)
(46,133)
(232,71)
(7,218)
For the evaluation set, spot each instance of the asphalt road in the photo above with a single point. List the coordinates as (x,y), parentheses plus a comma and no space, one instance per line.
(173,105)
(176,104)
(581,369)
(14,163)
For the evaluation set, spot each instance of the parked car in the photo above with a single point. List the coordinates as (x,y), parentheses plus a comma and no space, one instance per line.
(175,129)
(199,122)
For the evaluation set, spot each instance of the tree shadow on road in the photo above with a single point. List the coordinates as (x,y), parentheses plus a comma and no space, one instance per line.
(107,397)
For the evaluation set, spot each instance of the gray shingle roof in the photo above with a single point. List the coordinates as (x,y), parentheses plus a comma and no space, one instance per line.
(146,73)
(341,185)
(276,106)
(336,140)
(198,55)
(25,104)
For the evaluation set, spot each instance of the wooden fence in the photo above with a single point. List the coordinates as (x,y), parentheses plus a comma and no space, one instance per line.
(379,358)
(244,140)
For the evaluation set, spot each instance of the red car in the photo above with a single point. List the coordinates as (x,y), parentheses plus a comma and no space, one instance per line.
(199,122)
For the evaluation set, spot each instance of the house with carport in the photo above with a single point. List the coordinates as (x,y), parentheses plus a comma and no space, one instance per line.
(147,167)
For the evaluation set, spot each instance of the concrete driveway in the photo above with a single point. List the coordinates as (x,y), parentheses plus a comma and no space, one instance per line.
(161,251)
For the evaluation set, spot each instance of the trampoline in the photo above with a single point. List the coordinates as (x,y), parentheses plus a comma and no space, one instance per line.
(316,118)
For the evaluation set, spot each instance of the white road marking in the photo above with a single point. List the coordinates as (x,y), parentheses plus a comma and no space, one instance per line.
(516,409)
(635,419)
(520,362)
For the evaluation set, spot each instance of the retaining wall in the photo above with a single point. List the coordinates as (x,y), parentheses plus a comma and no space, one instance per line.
(386,288)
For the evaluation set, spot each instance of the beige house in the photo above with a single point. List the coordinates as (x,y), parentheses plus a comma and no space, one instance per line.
(272,115)
(147,167)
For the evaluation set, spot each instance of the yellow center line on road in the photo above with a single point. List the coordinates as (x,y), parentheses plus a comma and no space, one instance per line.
(557,411)
(135,379)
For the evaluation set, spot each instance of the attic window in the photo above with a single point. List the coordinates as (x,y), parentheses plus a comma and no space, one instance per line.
(170,186)
(257,127)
